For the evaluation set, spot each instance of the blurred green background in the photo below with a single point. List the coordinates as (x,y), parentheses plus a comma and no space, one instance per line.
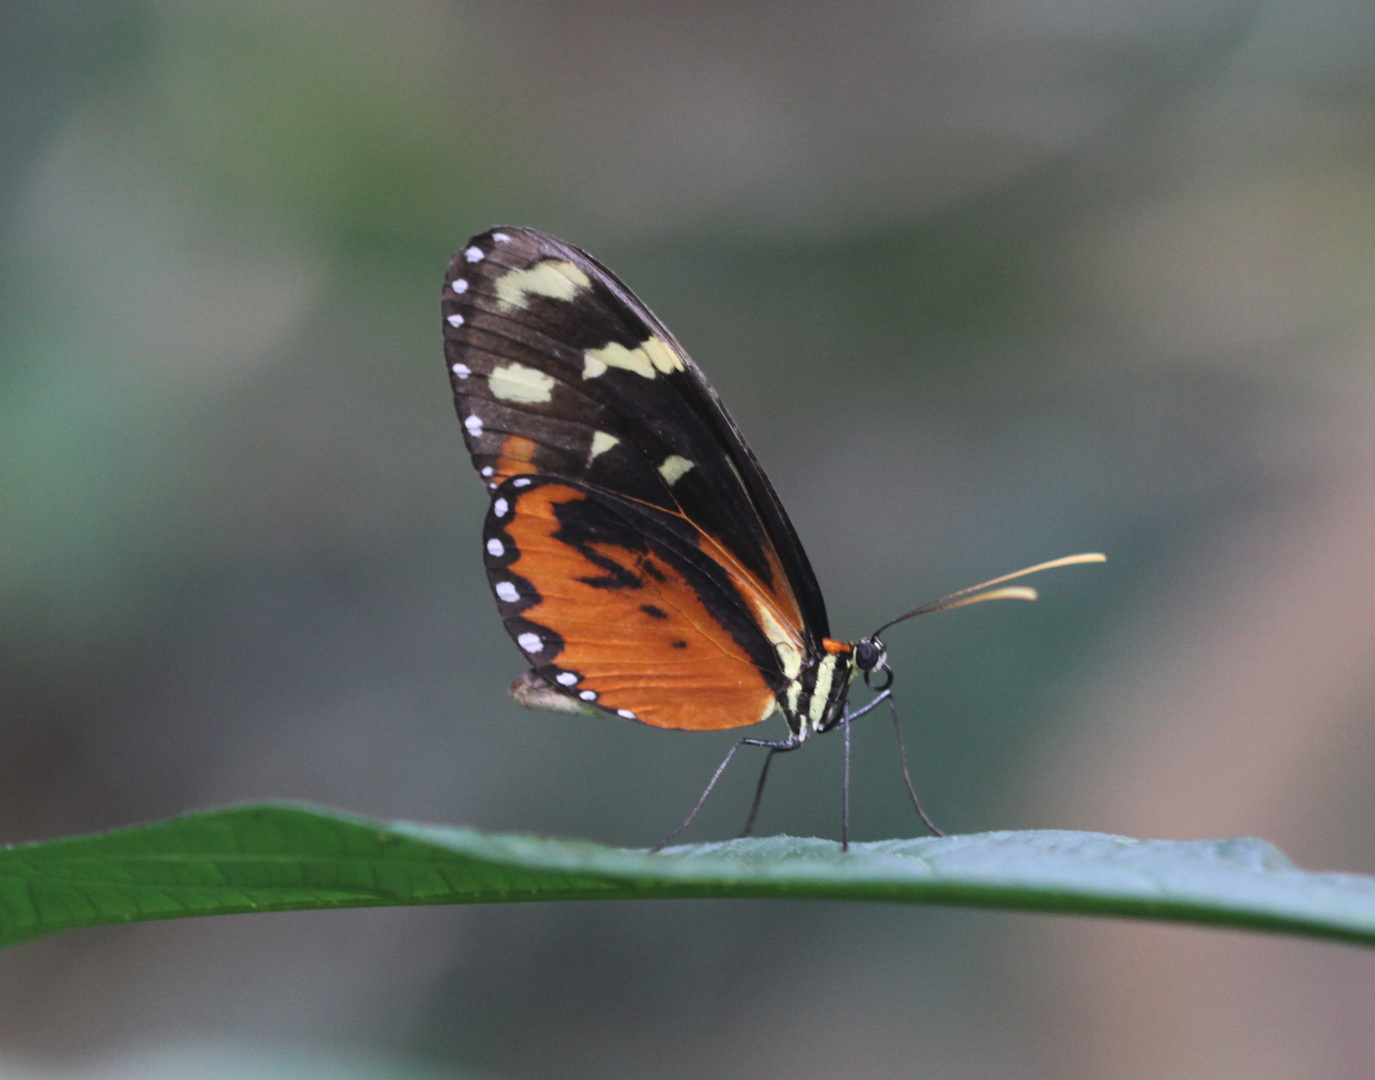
(984,283)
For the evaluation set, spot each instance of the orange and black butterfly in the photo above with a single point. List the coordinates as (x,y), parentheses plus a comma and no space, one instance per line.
(639,556)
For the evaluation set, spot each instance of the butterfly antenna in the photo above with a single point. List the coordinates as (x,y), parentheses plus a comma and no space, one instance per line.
(976,594)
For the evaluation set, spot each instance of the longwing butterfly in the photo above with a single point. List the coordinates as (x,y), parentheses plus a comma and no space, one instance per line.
(639,556)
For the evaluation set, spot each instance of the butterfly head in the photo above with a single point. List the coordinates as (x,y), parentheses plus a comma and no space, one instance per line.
(871,658)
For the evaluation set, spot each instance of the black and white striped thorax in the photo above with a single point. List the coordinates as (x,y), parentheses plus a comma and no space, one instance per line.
(814,700)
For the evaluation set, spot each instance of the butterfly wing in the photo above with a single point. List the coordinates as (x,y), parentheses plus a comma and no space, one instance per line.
(559,371)
(613,601)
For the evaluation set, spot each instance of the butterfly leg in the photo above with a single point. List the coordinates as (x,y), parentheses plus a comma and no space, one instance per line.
(782,744)
(885,696)
(845,719)
(879,700)
(845,790)
(759,787)
(906,776)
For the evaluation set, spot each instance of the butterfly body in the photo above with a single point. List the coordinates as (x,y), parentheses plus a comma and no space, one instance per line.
(638,554)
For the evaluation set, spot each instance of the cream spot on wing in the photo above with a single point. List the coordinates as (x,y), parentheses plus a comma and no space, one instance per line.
(790,656)
(474,425)
(601,443)
(647,359)
(455,320)
(495,548)
(516,382)
(626,713)
(596,361)
(500,507)
(784,643)
(460,286)
(531,643)
(662,355)
(473,254)
(488,470)
(552,278)
(588,695)
(506,591)
(674,469)
(501,238)
(565,678)
(462,370)
(523,481)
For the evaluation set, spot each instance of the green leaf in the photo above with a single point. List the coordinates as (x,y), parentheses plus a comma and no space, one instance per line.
(289,858)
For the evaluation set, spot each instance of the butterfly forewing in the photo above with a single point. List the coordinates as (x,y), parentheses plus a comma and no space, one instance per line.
(560,373)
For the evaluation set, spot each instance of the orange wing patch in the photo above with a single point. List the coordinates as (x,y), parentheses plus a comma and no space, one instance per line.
(634,634)
(517,456)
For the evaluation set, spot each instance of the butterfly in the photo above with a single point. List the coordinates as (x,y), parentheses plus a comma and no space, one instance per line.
(639,556)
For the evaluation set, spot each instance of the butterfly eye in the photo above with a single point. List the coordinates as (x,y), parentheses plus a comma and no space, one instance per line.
(869,654)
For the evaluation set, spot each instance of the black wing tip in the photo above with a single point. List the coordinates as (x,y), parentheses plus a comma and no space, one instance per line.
(489,238)
(480,245)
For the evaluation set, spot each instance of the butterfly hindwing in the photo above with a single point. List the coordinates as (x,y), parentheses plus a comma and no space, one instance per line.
(613,601)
